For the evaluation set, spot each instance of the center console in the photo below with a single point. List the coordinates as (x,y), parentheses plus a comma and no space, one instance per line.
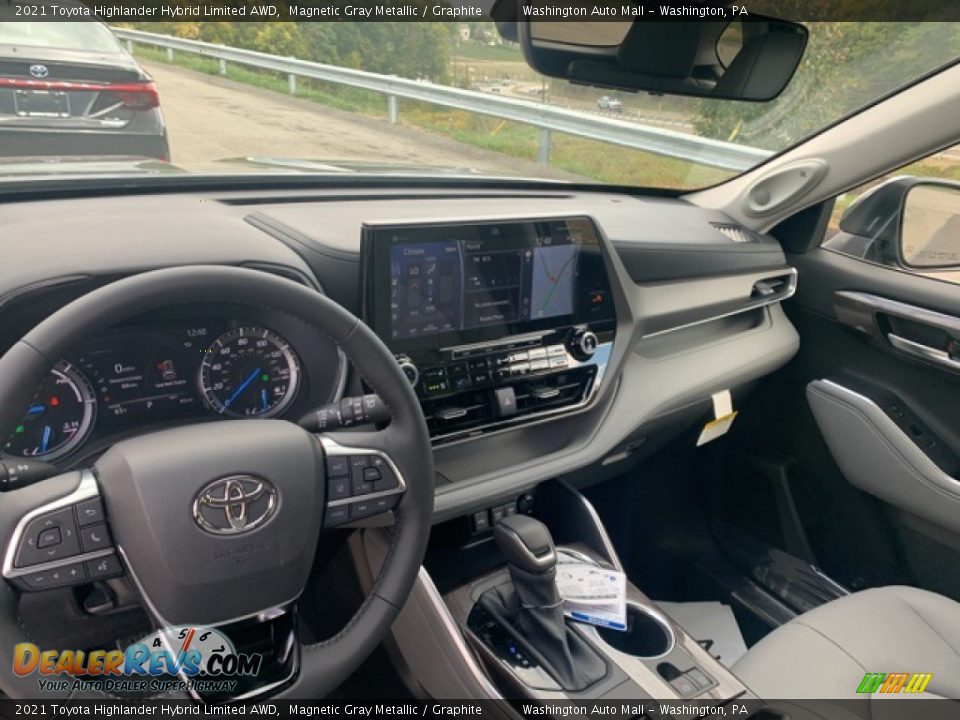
(494,323)
(517,629)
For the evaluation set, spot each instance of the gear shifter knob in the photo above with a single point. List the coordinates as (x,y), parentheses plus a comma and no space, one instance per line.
(526,544)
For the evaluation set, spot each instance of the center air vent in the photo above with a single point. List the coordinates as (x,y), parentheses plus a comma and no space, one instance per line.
(463,413)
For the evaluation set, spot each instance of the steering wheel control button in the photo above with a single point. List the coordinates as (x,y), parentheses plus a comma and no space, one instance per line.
(371,474)
(95,537)
(41,530)
(369,508)
(104,567)
(338,466)
(48,538)
(336,515)
(361,486)
(387,481)
(338,488)
(506,402)
(57,577)
(90,512)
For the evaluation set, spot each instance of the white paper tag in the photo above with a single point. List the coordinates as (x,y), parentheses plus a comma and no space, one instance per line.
(723,414)
(591,593)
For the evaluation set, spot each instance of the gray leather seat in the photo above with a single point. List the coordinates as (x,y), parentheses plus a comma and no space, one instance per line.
(826,652)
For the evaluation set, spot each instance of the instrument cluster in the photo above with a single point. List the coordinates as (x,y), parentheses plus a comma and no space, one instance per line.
(175,370)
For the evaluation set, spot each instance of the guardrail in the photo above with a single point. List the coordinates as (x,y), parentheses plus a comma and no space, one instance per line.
(547,118)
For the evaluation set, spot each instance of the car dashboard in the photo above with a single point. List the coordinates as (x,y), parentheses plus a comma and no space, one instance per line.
(547,331)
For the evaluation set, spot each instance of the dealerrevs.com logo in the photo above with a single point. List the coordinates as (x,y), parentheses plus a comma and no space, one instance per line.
(181,658)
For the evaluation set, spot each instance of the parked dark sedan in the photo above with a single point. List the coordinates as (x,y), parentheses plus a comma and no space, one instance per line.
(72,89)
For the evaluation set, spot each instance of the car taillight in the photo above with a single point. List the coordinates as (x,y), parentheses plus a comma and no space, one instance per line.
(135,96)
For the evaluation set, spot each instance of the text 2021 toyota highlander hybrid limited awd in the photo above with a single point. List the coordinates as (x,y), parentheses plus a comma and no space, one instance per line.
(389,394)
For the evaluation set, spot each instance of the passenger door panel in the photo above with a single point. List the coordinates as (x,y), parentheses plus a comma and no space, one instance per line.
(875,428)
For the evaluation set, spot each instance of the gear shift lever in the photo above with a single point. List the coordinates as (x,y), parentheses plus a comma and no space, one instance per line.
(535,607)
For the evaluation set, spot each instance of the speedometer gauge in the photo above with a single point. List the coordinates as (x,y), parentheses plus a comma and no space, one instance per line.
(59,418)
(249,372)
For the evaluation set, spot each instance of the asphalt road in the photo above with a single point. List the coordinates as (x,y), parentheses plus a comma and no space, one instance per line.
(213,118)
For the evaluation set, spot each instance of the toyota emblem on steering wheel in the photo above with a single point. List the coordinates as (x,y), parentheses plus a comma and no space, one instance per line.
(234,504)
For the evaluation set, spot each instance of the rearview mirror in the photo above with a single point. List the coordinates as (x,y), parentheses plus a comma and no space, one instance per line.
(930,230)
(741,60)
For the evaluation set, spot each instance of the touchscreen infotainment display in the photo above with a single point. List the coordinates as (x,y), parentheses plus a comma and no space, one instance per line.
(483,280)
(496,278)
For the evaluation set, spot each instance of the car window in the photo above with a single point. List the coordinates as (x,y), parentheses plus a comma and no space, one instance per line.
(908,220)
(63,35)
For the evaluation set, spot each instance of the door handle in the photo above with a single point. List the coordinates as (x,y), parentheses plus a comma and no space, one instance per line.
(925,352)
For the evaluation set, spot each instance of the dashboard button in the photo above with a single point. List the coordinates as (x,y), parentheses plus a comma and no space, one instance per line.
(435,387)
(462,383)
(557,362)
(104,567)
(699,678)
(555,350)
(481,521)
(537,353)
(684,687)
(457,369)
(434,373)
(90,512)
(538,365)
(94,537)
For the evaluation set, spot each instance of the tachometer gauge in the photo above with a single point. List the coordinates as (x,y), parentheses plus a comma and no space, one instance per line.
(249,372)
(59,418)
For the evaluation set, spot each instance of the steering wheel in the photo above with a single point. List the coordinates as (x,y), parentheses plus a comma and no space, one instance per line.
(217,522)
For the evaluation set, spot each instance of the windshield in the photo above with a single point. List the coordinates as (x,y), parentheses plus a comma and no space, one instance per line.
(433,97)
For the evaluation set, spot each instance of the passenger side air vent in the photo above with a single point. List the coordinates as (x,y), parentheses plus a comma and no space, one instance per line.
(778,286)
(736,233)
(466,412)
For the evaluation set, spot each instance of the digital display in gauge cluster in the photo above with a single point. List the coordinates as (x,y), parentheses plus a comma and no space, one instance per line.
(157,373)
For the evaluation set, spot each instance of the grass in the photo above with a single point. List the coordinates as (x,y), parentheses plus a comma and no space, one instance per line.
(587,158)
(494,53)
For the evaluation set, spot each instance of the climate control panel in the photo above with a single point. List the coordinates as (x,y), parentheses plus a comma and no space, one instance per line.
(471,389)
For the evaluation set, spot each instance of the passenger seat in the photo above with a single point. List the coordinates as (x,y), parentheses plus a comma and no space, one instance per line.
(826,652)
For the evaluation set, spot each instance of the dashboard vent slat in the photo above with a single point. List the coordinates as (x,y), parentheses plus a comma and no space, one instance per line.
(736,233)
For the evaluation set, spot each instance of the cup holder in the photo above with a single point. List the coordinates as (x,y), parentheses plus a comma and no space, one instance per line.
(646,636)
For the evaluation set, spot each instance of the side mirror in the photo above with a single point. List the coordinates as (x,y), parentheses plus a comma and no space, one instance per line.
(930,228)
(750,60)
(906,222)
